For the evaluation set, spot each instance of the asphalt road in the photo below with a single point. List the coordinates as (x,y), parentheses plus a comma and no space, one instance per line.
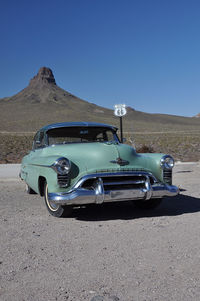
(9,172)
(112,252)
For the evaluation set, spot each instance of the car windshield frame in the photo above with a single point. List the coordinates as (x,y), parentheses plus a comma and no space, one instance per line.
(81,134)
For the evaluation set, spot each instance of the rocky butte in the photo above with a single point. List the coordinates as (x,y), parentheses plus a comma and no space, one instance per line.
(44,77)
(42,88)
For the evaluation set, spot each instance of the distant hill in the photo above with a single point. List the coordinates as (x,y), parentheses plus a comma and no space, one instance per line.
(43,102)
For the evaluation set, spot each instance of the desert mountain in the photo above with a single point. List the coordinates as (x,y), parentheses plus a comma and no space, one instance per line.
(43,102)
(42,88)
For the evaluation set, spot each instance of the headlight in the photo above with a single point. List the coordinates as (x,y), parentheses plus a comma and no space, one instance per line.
(167,162)
(62,166)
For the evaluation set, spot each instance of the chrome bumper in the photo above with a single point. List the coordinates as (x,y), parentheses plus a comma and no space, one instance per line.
(82,196)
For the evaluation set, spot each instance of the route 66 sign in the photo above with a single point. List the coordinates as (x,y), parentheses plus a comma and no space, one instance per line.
(120,110)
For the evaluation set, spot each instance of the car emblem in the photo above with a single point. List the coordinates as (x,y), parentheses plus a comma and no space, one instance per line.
(120,161)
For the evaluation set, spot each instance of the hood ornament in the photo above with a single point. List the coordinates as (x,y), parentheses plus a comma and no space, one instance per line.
(120,161)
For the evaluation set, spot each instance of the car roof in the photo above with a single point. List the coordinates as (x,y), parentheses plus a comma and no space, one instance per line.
(76,124)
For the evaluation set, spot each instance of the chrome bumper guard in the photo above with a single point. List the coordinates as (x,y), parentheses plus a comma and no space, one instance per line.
(79,195)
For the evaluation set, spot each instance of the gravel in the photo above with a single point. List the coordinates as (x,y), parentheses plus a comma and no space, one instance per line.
(111,252)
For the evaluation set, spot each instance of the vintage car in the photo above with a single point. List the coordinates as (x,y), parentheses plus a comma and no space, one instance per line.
(78,163)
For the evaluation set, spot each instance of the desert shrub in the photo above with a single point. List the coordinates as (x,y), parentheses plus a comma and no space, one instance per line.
(14,147)
(145,149)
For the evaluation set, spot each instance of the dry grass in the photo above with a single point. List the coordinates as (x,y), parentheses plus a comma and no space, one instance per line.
(184,146)
(14,147)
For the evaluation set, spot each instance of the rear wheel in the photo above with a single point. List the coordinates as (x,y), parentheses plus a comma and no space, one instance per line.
(147,204)
(55,209)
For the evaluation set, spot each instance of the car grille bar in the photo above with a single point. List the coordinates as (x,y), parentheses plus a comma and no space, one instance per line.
(126,182)
(167,176)
(63,180)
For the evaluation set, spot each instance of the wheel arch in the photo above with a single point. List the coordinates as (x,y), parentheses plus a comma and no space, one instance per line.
(41,182)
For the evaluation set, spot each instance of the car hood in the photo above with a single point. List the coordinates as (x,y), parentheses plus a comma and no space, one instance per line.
(98,157)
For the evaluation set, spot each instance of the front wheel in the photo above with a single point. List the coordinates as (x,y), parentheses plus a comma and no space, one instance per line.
(54,209)
(147,204)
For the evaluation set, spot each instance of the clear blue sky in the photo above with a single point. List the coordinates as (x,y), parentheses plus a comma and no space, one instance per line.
(143,53)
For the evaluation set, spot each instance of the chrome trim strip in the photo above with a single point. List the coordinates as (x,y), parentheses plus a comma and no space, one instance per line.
(41,165)
(124,183)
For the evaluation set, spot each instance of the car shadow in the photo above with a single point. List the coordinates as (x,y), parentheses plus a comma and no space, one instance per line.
(181,204)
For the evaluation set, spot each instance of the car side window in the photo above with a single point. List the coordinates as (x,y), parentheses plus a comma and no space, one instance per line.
(39,140)
(42,142)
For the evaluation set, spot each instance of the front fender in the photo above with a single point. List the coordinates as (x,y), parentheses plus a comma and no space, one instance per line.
(34,166)
(153,164)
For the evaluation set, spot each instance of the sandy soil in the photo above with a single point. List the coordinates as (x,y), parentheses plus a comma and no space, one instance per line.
(101,253)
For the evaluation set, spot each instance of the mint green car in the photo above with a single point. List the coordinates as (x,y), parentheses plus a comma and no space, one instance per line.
(78,163)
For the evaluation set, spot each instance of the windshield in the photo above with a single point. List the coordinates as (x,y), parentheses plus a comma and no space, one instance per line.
(81,135)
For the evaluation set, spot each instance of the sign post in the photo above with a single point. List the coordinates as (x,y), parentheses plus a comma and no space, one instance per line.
(120,111)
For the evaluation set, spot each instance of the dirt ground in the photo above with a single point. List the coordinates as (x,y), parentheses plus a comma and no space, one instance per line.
(112,252)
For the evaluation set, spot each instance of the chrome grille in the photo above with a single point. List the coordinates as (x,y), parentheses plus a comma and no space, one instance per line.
(63,180)
(120,182)
(123,182)
(167,176)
